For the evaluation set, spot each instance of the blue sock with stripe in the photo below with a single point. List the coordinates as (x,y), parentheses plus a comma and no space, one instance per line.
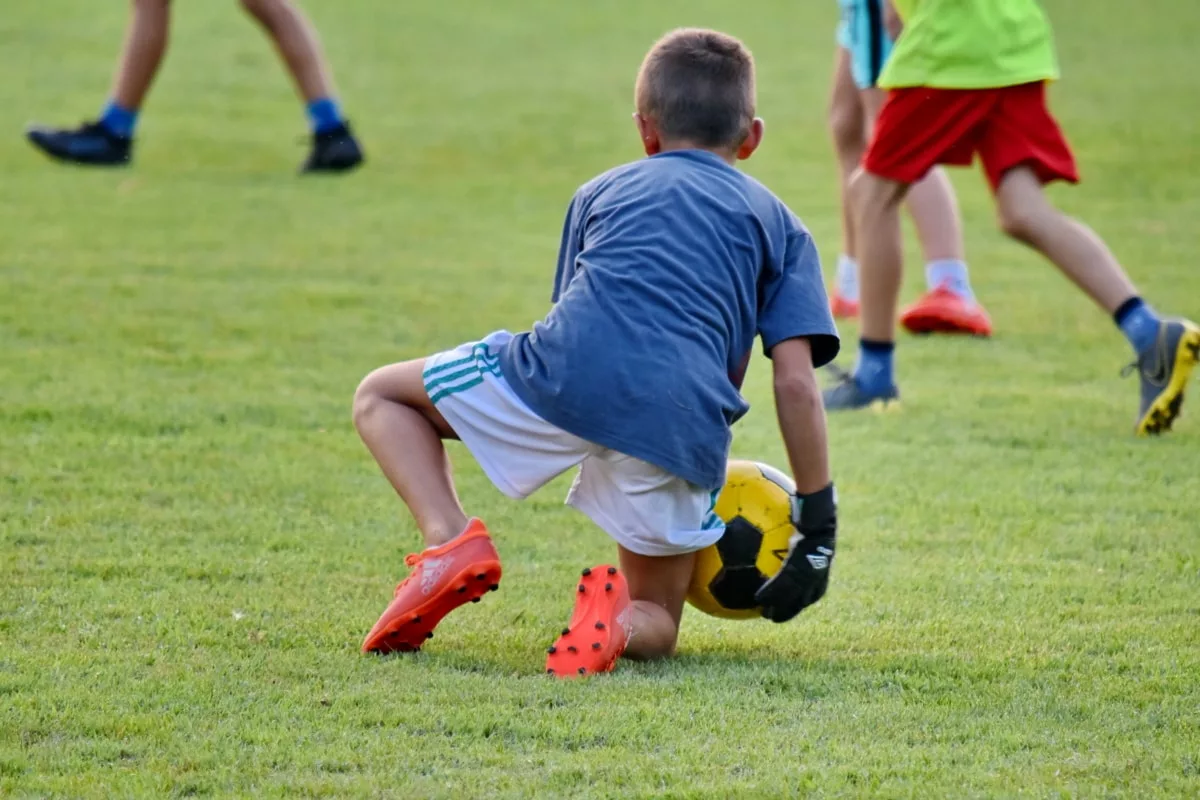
(874,373)
(324,114)
(1138,322)
(119,121)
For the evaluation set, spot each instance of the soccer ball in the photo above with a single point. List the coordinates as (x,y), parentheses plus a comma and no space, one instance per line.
(756,507)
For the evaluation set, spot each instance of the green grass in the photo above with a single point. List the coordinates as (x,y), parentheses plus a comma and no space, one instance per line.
(193,542)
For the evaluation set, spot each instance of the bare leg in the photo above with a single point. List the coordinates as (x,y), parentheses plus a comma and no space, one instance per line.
(657,588)
(145,44)
(404,431)
(876,204)
(849,138)
(931,201)
(298,44)
(1027,216)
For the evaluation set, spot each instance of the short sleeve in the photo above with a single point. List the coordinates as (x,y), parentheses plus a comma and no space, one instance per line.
(792,300)
(569,247)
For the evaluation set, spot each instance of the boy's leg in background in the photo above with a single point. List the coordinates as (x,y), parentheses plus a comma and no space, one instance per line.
(1166,350)
(334,147)
(846,125)
(108,140)
(949,304)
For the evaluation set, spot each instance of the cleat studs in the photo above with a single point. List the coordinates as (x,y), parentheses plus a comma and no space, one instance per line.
(599,626)
(476,599)
(595,645)
(581,589)
(552,650)
(612,570)
(586,571)
(429,635)
(572,649)
(493,587)
(549,672)
(416,619)
(608,587)
(462,589)
(481,577)
(582,671)
(565,631)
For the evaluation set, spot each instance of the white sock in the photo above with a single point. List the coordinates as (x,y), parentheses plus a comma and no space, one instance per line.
(950,273)
(847,278)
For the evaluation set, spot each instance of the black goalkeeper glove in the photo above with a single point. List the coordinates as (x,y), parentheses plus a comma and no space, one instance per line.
(805,573)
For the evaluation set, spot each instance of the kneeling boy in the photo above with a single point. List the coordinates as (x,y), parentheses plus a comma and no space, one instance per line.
(668,269)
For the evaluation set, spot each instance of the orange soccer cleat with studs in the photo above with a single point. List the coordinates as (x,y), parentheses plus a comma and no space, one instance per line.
(599,627)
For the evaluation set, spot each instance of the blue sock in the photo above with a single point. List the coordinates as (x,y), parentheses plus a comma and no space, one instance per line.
(950,273)
(324,114)
(874,372)
(119,120)
(1138,322)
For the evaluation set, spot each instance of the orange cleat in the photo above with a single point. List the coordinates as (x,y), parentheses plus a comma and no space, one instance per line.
(841,307)
(443,578)
(599,626)
(942,311)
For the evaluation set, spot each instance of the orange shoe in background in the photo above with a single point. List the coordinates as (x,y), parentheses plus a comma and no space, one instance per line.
(442,579)
(942,311)
(841,307)
(599,627)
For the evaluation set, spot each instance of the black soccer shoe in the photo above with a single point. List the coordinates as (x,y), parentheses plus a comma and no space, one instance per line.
(334,150)
(91,144)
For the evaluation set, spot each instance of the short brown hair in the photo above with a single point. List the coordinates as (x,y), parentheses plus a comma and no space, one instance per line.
(698,86)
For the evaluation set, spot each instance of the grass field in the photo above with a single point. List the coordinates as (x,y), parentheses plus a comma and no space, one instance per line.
(193,541)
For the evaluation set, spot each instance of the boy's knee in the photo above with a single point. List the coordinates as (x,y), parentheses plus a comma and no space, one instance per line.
(872,196)
(1017,221)
(846,126)
(366,400)
(260,9)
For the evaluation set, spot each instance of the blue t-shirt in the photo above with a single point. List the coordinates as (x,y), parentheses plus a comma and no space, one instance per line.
(668,268)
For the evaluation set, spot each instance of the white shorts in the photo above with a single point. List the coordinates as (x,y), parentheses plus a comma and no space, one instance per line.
(646,509)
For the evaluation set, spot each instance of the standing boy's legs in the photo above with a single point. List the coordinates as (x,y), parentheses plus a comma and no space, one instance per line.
(847,127)
(108,140)
(334,147)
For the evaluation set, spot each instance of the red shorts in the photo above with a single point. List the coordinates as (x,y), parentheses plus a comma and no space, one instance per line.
(919,128)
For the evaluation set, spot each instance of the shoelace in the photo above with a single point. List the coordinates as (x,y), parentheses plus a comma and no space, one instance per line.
(410,560)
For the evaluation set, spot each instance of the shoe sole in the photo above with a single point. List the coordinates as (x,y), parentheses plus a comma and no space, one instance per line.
(410,630)
(587,648)
(1166,407)
(64,158)
(922,324)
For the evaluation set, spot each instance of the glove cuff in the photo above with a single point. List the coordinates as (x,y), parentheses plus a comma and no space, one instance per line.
(815,511)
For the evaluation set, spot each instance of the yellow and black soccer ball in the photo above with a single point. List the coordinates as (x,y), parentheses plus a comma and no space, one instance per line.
(756,505)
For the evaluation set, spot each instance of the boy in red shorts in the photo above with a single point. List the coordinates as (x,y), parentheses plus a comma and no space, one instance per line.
(968,79)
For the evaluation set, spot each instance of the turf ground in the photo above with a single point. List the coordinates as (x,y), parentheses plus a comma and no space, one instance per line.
(193,542)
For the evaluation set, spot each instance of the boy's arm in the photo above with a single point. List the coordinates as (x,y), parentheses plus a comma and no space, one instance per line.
(801,414)
(893,23)
(804,576)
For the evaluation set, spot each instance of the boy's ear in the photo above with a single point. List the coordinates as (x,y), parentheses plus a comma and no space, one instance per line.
(753,139)
(648,133)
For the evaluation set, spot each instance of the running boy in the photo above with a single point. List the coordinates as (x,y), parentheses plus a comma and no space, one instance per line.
(949,305)
(967,79)
(108,141)
(668,269)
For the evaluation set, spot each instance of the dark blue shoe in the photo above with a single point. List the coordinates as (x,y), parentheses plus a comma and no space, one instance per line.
(334,150)
(1163,370)
(848,395)
(91,144)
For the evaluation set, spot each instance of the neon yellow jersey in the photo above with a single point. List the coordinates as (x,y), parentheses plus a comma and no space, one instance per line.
(970,44)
